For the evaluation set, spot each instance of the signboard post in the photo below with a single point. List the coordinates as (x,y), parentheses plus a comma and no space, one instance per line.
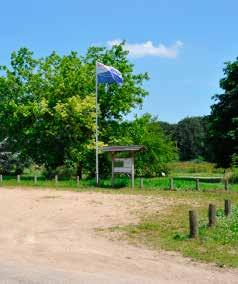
(123,165)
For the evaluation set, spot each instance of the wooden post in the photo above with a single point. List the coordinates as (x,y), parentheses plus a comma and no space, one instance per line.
(226,184)
(141,182)
(197,183)
(113,175)
(132,170)
(1,178)
(171,183)
(211,215)
(35,179)
(193,224)
(77,180)
(227,207)
(18,178)
(56,179)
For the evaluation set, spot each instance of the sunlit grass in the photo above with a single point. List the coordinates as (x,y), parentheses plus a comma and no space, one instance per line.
(169,229)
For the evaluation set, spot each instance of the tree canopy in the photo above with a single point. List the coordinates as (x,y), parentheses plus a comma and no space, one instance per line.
(47,106)
(224,117)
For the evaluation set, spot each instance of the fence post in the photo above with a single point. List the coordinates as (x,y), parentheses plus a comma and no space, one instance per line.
(35,179)
(227,207)
(56,179)
(1,178)
(226,184)
(141,182)
(77,180)
(18,178)
(211,215)
(193,224)
(197,183)
(171,183)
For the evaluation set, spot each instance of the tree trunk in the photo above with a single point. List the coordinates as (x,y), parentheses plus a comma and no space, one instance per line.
(79,171)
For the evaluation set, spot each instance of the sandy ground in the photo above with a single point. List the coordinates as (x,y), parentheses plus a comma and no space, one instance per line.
(49,236)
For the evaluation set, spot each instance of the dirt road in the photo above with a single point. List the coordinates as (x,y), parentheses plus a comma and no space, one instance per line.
(49,236)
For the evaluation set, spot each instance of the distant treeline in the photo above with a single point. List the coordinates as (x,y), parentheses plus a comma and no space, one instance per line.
(213,137)
(191,136)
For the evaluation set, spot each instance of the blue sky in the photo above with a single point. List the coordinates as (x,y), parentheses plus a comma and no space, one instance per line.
(195,38)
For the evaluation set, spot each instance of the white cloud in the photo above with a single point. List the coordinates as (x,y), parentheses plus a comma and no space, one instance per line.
(149,49)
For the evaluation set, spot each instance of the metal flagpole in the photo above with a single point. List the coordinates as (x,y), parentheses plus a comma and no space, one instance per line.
(97,168)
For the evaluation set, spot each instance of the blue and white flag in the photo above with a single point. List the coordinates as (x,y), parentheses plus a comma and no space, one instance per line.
(108,75)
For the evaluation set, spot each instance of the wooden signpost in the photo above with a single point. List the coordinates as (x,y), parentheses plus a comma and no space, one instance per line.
(123,165)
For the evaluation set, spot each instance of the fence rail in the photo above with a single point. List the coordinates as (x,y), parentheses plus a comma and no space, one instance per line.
(169,183)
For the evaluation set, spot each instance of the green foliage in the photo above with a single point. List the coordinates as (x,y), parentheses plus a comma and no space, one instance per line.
(63,172)
(190,136)
(10,162)
(159,149)
(224,117)
(47,105)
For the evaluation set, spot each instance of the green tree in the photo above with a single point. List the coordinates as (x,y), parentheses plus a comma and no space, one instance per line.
(10,162)
(190,136)
(169,129)
(224,117)
(159,149)
(47,105)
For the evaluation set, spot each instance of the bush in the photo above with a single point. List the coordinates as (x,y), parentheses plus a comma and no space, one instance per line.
(63,172)
(234,175)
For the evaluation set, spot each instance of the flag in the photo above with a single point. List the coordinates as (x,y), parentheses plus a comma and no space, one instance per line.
(108,75)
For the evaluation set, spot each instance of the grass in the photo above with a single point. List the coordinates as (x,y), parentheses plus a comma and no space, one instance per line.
(195,169)
(159,183)
(168,229)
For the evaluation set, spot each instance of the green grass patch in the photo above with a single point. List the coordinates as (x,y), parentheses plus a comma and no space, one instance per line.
(169,229)
(158,183)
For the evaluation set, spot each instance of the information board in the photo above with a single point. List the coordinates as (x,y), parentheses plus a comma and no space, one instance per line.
(122,165)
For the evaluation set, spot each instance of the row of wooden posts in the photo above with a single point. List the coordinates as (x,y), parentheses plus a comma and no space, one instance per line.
(35,179)
(193,220)
(171,186)
(197,185)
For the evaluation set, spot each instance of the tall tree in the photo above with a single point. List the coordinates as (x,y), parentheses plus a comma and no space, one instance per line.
(190,136)
(224,117)
(47,105)
(159,149)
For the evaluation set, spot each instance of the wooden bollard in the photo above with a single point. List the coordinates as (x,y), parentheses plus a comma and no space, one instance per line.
(227,207)
(197,184)
(18,178)
(77,180)
(35,179)
(193,224)
(0,178)
(141,183)
(211,215)
(226,184)
(171,183)
(56,179)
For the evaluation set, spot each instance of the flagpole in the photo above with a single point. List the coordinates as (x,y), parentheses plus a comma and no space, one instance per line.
(97,168)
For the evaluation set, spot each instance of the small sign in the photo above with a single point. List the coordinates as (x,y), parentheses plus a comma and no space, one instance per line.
(122,165)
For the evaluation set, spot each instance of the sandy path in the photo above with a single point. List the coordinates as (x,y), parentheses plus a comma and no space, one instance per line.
(49,236)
